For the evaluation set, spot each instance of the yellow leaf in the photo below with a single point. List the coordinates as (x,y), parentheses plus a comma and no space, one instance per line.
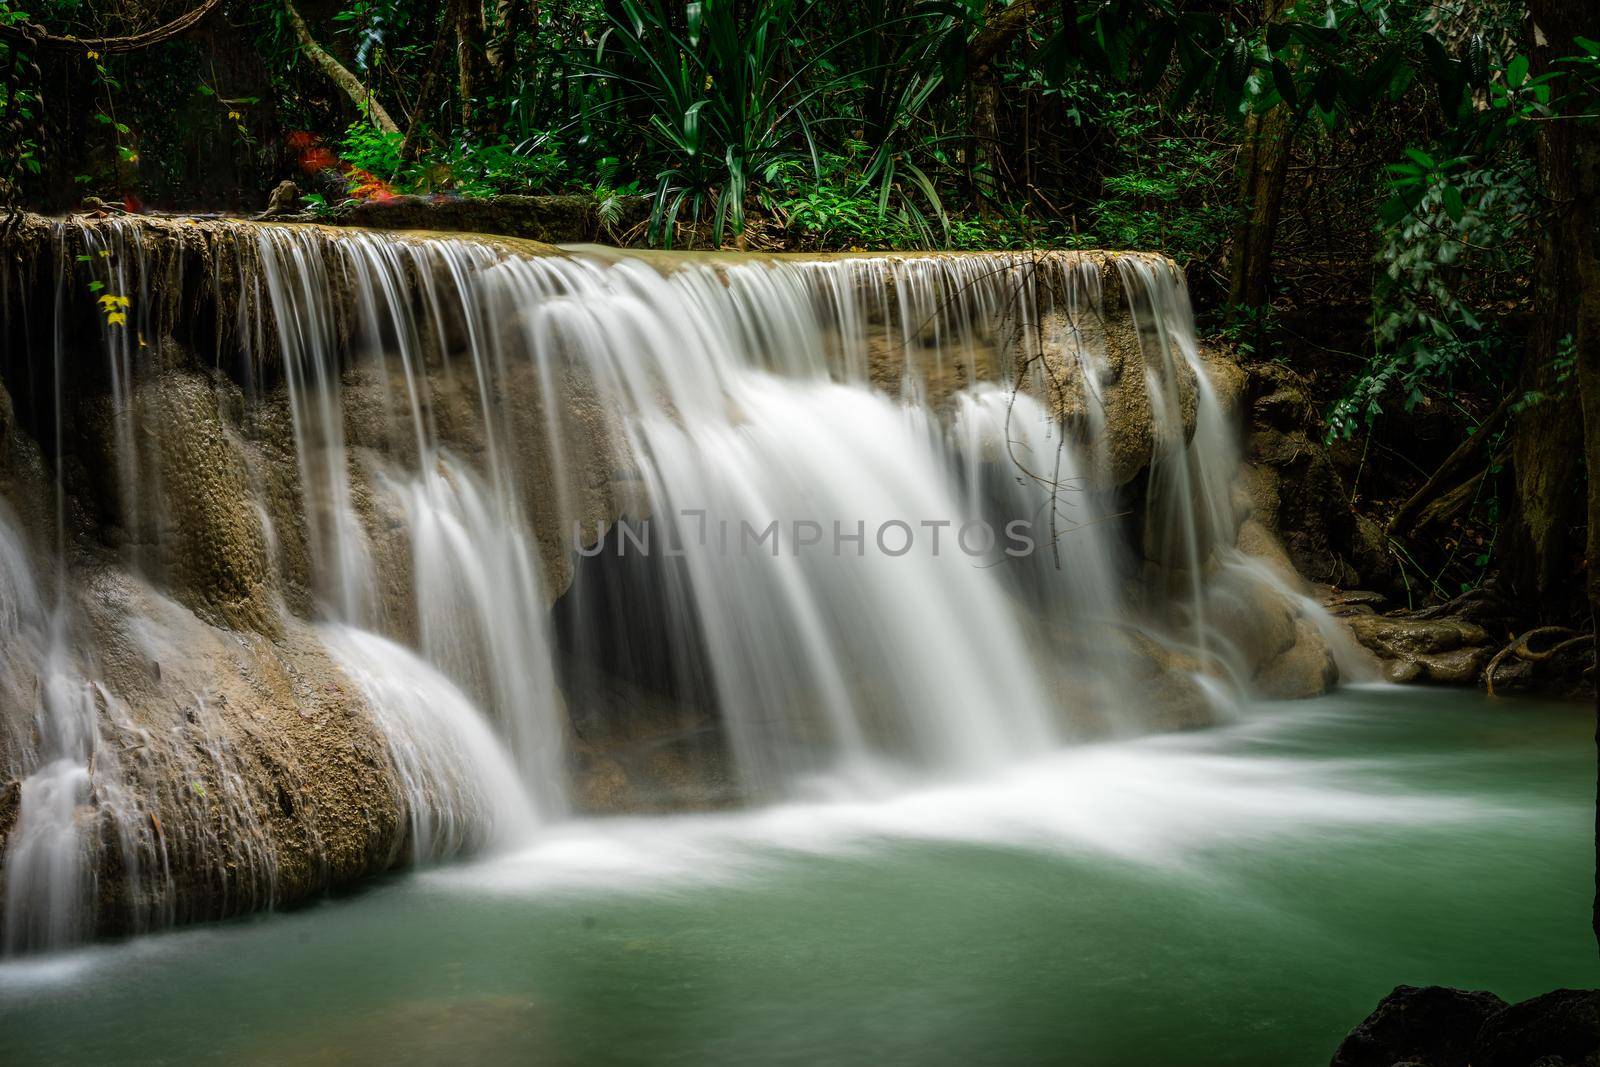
(117,318)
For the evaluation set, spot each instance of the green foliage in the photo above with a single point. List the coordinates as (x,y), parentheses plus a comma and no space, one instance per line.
(1330,60)
(466,167)
(1165,183)
(1565,365)
(719,96)
(841,209)
(733,97)
(370,149)
(1452,224)
(1428,324)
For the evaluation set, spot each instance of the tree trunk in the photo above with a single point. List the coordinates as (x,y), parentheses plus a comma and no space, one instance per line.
(501,50)
(1263,169)
(1002,23)
(348,83)
(1569,164)
(1546,437)
(469,56)
(1546,442)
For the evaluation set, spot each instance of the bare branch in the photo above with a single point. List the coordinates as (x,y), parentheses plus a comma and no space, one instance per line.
(36,37)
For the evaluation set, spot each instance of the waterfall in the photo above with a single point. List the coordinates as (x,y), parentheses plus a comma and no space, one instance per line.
(879,518)
(54,714)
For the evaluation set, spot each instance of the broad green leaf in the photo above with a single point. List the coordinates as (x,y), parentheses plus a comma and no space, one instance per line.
(1451,196)
(1517,72)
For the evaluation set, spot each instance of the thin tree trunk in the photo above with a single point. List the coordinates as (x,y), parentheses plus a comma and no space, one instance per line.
(348,83)
(1003,23)
(469,56)
(433,84)
(30,36)
(501,50)
(1263,170)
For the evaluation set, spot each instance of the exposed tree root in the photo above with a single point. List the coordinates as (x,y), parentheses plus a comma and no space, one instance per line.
(1519,648)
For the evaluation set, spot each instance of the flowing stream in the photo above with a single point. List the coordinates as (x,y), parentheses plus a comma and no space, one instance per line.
(1236,896)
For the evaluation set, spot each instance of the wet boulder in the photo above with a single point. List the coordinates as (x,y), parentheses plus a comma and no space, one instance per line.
(1558,1029)
(1424,1026)
(1444,651)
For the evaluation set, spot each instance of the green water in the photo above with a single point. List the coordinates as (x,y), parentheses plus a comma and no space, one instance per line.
(1241,895)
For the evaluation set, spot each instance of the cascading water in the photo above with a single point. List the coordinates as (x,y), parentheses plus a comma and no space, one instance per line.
(881,517)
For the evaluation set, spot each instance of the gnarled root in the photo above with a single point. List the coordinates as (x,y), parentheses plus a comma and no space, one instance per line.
(1519,647)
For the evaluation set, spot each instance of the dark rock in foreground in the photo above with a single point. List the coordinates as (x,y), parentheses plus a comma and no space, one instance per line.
(1434,1026)
(1557,1029)
(1431,1026)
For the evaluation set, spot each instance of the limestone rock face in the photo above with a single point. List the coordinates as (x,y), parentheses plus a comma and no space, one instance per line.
(1398,637)
(1123,413)
(1296,487)
(1168,690)
(541,218)
(1229,381)
(216,547)
(1460,666)
(1265,622)
(263,774)
(1305,669)
(1257,621)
